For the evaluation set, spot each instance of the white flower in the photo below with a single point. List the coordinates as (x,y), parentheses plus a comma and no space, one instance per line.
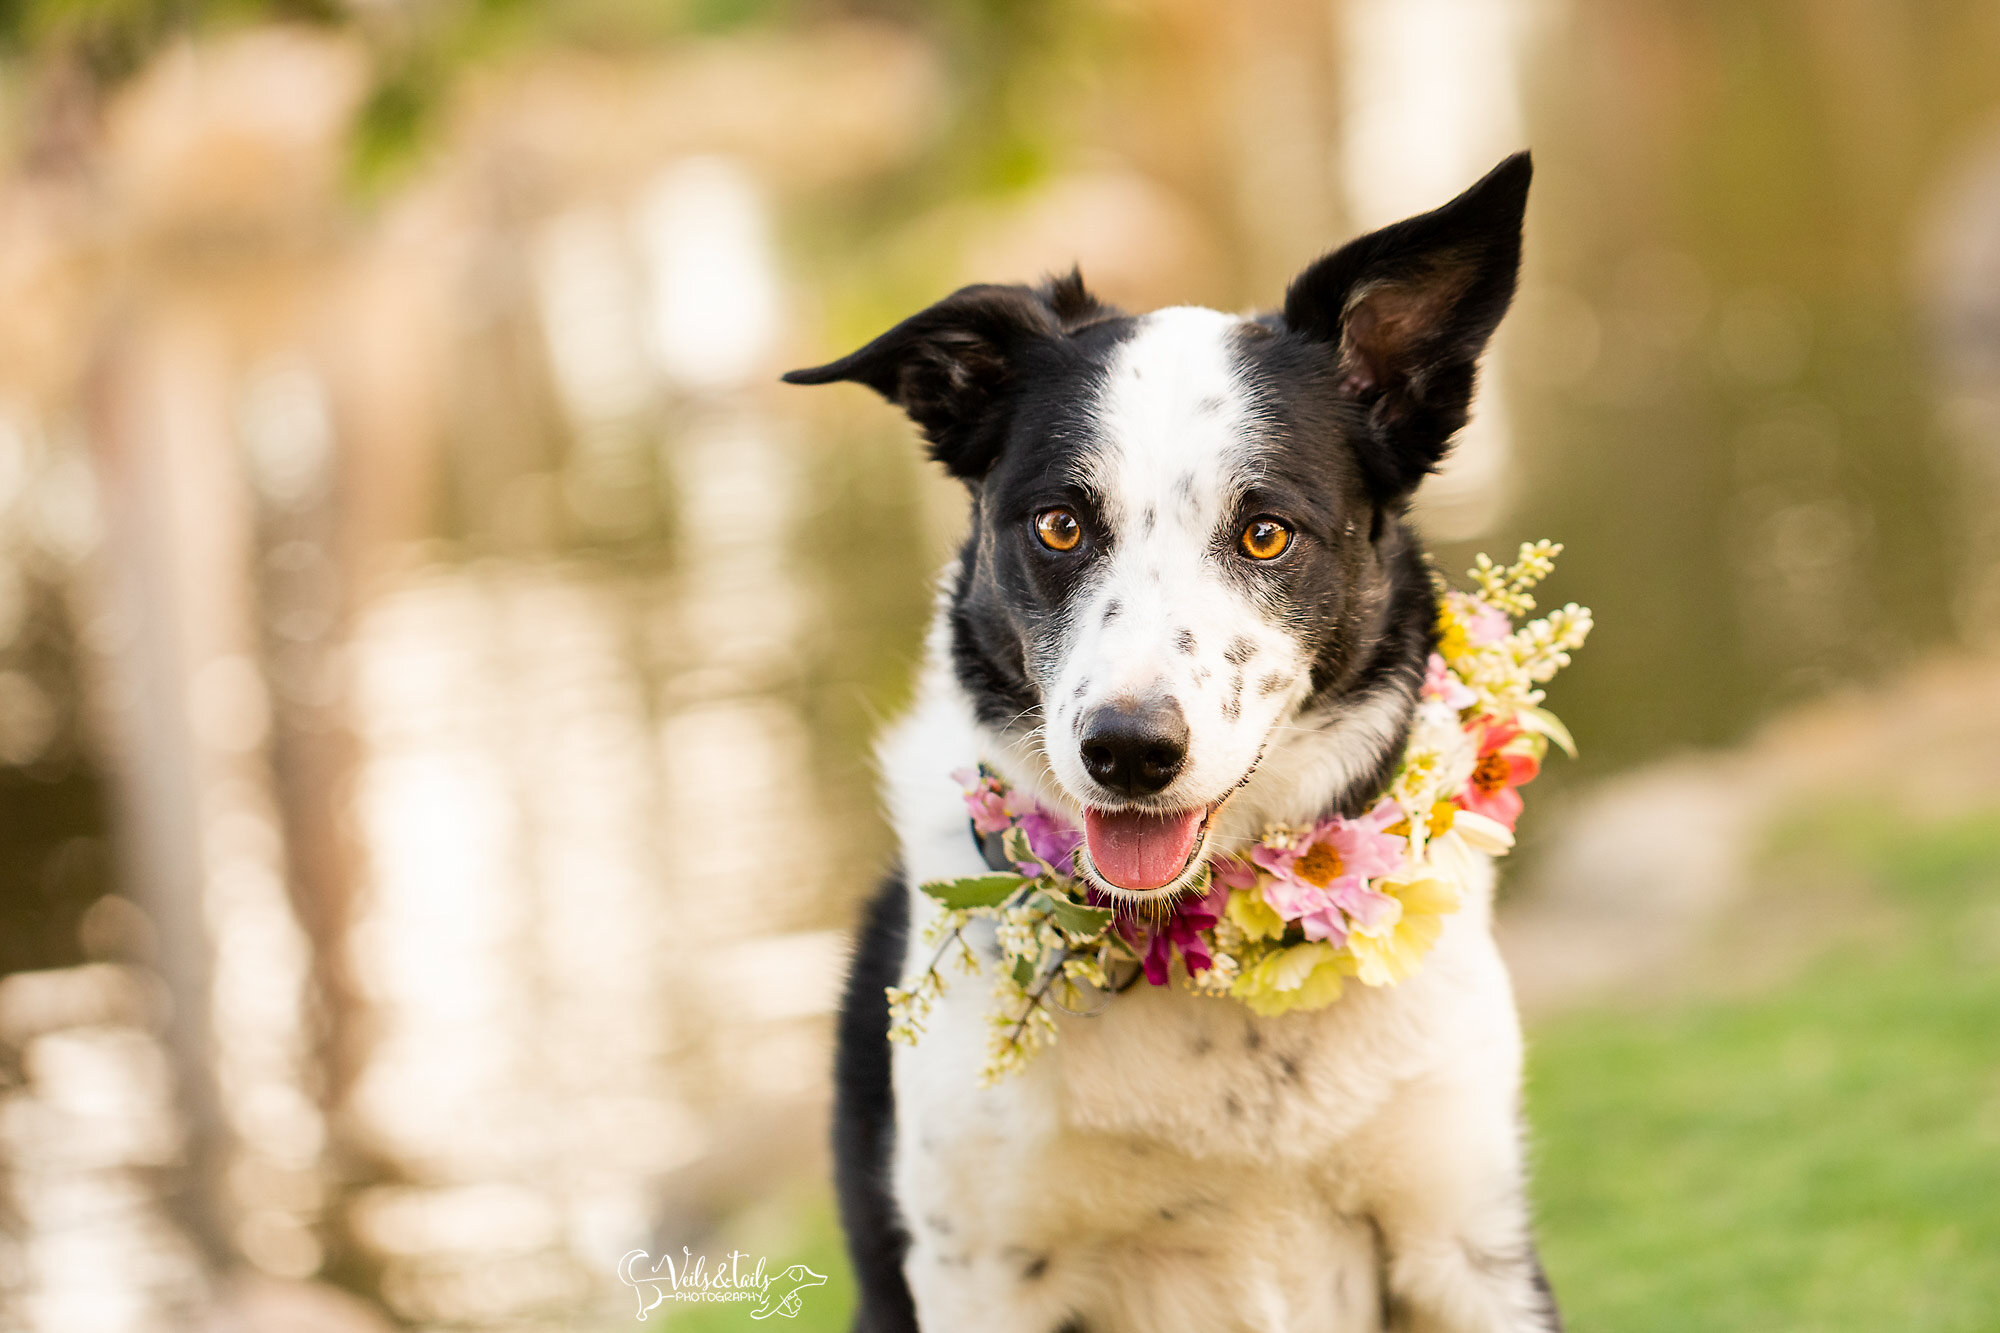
(1217,977)
(1441,756)
(1279,837)
(1482,834)
(1455,855)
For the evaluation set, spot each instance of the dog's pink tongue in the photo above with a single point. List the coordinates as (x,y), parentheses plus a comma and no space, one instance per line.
(1135,850)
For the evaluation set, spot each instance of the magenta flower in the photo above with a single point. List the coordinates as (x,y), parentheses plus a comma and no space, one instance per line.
(1182,931)
(1051,839)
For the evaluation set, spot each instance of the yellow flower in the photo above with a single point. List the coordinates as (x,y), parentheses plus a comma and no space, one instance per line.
(1453,641)
(1257,919)
(1394,955)
(1305,976)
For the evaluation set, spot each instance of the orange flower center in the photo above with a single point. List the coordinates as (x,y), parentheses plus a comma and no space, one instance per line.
(1320,866)
(1492,774)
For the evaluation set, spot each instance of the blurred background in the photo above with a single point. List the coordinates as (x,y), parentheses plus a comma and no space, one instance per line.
(437,661)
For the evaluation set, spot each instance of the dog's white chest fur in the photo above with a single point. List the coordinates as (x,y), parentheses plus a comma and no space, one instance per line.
(1178,1164)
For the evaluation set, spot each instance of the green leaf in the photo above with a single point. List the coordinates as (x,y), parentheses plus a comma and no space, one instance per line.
(1014,843)
(1544,722)
(1078,920)
(1024,972)
(978,891)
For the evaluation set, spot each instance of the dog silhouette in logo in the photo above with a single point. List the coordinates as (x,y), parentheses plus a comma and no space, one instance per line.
(646,1283)
(782,1296)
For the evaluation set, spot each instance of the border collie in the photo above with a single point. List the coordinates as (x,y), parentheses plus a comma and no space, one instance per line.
(1108,642)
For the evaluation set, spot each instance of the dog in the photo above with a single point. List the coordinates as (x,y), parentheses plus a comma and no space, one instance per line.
(1190,604)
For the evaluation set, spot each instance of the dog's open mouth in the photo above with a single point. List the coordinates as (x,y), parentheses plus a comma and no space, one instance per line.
(1140,851)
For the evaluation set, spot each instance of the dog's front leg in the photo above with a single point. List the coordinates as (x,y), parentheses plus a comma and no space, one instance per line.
(1459,1251)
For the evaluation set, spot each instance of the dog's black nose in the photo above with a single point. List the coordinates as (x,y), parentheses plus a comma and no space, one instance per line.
(1135,748)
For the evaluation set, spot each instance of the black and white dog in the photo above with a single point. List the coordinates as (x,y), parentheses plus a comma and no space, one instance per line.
(1189,605)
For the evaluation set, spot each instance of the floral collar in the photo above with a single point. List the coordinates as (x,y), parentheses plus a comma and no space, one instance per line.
(1284,923)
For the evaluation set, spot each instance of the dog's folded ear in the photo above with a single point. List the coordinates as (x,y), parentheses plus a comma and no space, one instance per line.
(1407,310)
(950,366)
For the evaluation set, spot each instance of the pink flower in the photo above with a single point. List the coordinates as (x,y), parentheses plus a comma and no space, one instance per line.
(1505,762)
(1324,921)
(1321,881)
(985,800)
(1484,624)
(989,810)
(1362,844)
(1295,899)
(1448,689)
(1367,909)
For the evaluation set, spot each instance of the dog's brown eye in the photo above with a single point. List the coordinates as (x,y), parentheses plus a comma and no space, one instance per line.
(1265,539)
(1058,529)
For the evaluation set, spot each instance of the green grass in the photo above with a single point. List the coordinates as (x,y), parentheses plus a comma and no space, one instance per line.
(1825,1156)
(1820,1156)
(792,1231)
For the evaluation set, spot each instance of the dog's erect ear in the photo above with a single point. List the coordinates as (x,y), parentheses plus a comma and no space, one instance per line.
(950,366)
(1407,310)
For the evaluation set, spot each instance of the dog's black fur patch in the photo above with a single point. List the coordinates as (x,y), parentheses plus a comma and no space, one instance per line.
(864,1118)
(1550,1314)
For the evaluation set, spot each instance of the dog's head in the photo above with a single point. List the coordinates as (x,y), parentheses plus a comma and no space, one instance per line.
(1186,540)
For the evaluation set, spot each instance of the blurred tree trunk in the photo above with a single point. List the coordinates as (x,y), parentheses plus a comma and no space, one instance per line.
(226,559)
(151,564)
